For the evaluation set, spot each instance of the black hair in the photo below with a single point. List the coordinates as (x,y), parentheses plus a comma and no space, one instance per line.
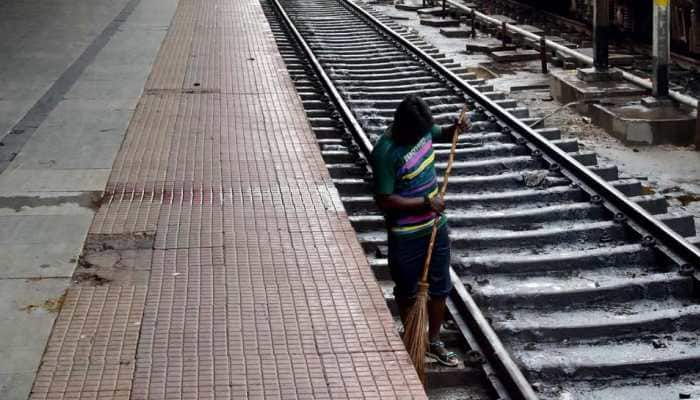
(412,120)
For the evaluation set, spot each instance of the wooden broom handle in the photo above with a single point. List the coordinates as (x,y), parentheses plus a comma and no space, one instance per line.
(443,189)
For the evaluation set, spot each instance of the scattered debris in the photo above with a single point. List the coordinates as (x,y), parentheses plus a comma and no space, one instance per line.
(535,179)
(473,358)
(530,346)
(648,190)
(538,387)
(688,198)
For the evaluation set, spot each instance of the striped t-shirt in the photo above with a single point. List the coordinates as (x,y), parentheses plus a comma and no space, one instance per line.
(407,171)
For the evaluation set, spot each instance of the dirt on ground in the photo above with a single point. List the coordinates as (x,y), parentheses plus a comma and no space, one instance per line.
(122,259)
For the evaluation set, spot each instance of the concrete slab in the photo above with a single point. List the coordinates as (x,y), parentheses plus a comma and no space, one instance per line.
(594,75)
(455,32)
(24,261)
(10,109)
(409,6)
(33,181)
(51,180)
(634,123)
(80,134)
(431,11)
(40,40)
(566,87)
(28,307)
(486,45)
(515,55)
(439,22)
(16,386)
(43,229)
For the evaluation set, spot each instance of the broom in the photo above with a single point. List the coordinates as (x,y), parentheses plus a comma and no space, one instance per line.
(415,335)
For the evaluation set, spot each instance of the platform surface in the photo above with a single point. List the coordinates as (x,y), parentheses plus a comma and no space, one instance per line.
(220,263)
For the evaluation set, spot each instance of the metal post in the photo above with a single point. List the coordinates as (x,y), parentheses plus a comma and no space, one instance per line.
(473,13)
(695,28)
(697,128)
(601,34)
(661,47)
(444,6)
(543,53)
(504,34)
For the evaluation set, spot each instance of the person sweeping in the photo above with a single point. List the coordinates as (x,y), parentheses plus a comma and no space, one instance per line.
(407,192)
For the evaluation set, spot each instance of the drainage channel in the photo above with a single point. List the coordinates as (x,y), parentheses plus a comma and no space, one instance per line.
(584,299)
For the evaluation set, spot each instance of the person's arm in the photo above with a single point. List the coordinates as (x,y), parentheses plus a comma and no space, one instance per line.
(394,202)
(443,134)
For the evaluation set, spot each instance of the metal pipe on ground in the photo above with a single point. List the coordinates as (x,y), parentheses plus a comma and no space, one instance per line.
(679,97)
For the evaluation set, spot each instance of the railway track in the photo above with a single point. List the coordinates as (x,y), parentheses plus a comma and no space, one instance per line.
(591,297)
(580,30)
(684,76)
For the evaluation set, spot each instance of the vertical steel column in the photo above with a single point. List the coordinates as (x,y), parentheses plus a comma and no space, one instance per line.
(661,47)
(504,34)
(697,128)
(473,18)
(695,28)
(601,34)
(543,54)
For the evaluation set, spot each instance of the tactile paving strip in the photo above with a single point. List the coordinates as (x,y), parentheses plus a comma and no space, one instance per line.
(257,287)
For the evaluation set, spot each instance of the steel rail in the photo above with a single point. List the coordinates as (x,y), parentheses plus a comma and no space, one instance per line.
(680,97)
(634,212)
(520,388)
(345,113)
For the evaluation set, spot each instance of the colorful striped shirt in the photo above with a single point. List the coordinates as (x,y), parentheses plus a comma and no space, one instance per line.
(407,171)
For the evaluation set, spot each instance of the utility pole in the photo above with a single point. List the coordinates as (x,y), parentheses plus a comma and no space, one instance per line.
(694,40)
(601,34)
(661,47)
(601,70)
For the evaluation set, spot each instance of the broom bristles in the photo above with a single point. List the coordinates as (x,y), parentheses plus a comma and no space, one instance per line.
(415,333)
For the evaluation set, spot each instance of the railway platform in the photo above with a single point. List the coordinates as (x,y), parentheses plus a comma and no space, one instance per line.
(220,263)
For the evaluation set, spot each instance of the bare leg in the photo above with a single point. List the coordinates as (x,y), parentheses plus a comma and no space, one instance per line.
(436,316)
(404,305)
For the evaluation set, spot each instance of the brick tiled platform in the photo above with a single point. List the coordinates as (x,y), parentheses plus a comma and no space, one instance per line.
(234,272)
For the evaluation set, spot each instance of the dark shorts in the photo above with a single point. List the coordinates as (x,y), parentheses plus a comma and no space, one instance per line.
(406,259)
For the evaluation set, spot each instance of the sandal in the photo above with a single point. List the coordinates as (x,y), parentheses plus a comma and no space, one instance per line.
(439,353)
